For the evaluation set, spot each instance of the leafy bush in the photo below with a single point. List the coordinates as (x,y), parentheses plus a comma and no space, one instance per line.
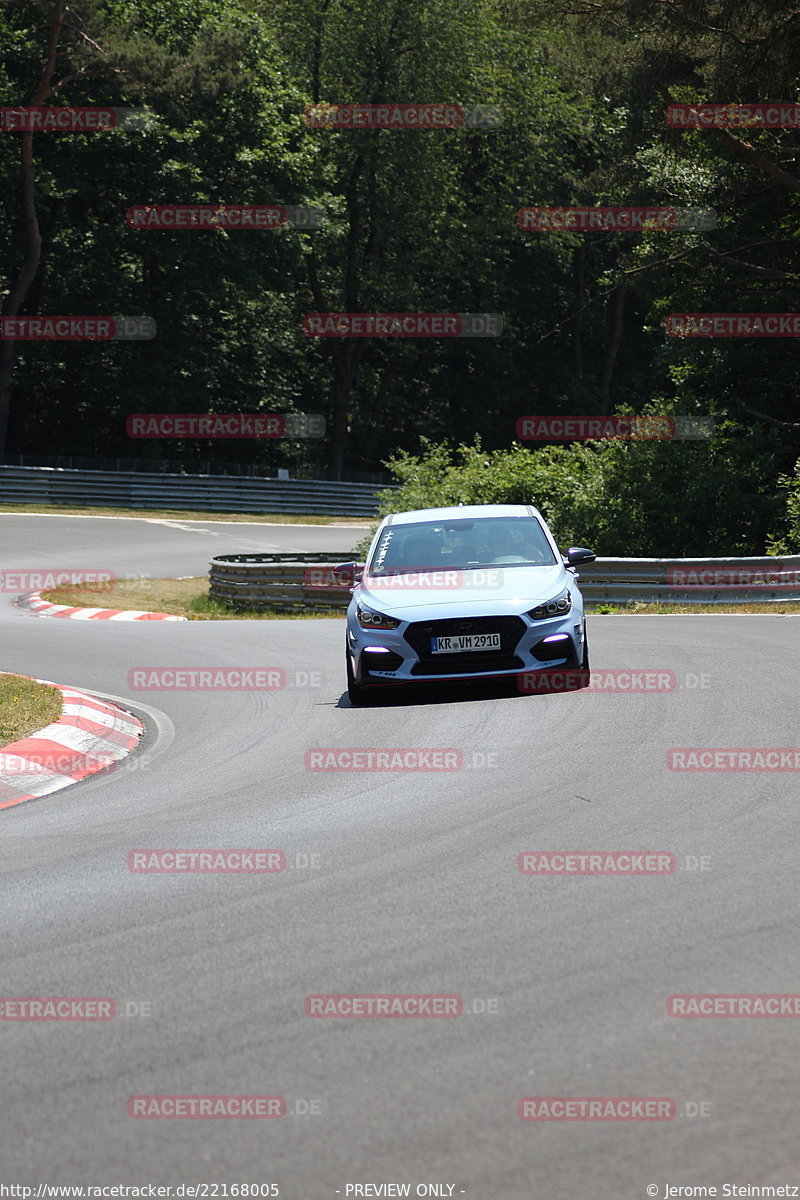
(650,499)
(789,541)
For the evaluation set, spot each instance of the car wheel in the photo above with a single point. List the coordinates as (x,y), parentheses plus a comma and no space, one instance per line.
(585,663)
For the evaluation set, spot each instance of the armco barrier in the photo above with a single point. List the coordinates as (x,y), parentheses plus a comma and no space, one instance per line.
(255,580)
(275,580)
(209,493)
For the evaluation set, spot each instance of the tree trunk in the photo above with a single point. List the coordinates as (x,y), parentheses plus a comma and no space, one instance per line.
(580,293)
(346,357)
(610,361)
(390,373)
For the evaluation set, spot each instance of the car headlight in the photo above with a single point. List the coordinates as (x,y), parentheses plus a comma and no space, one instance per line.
(556,607)
(369,619)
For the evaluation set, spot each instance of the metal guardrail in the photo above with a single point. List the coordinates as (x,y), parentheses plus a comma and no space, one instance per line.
(265,469)
(211,493)
(306,581)
(277,580)
(691,580)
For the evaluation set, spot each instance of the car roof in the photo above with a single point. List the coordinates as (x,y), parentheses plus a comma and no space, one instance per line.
(467,511)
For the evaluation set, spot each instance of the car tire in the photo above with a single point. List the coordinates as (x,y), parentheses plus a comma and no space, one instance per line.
(357,694)
(585,663)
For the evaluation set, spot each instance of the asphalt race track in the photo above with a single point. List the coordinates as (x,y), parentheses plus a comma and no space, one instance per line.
(414,889)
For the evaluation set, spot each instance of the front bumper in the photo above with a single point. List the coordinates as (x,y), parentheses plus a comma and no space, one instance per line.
(403,655)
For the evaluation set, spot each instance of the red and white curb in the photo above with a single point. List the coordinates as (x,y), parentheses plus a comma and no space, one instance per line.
(43,608)
(90,736)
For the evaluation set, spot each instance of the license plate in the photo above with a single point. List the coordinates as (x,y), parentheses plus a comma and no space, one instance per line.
(465,642)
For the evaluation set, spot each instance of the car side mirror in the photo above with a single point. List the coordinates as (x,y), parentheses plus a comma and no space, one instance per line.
(347,573)
(578,555)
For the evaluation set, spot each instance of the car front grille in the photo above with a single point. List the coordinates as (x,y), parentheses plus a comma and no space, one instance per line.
(471,662)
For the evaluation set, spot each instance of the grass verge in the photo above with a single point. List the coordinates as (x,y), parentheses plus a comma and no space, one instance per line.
(180,514)
(178,597)
(26,706)
(778,609)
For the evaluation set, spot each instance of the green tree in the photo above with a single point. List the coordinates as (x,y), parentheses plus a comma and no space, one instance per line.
(227,129)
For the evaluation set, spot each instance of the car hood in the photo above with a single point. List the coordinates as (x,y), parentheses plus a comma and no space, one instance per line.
(489,589)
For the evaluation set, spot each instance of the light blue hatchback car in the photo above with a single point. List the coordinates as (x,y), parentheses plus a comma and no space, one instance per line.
(451,594)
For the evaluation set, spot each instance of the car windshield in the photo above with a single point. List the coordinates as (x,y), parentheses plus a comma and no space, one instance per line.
(461,544)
